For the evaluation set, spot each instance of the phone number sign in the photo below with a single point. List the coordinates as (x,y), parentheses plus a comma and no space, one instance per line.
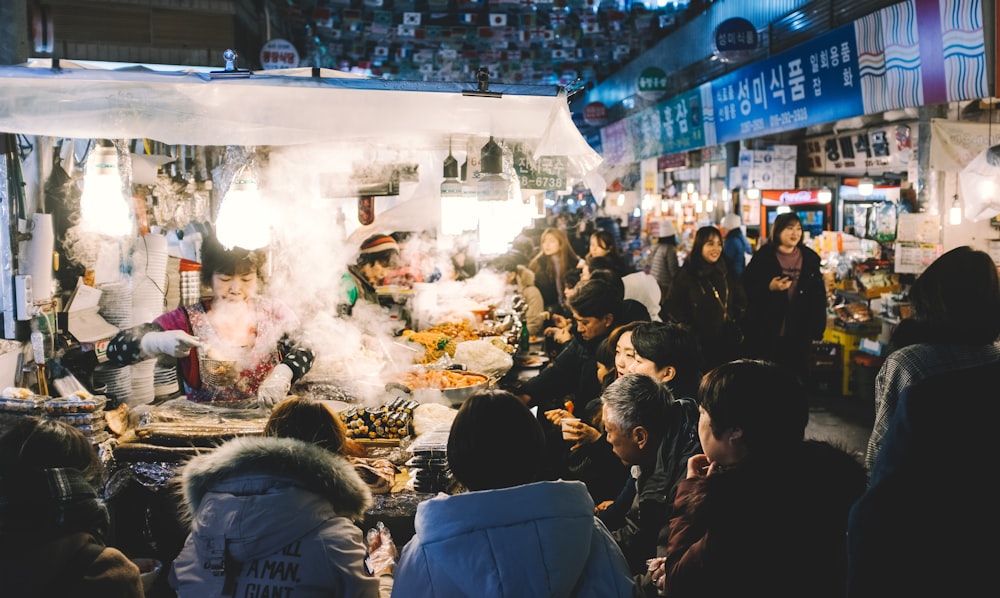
(815,82)
(547,172)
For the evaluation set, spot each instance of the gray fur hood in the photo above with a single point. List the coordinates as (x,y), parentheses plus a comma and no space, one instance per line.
(312,468)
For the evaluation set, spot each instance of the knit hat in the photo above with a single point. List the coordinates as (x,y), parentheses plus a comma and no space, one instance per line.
(667,228)
(378,244)
(731,221)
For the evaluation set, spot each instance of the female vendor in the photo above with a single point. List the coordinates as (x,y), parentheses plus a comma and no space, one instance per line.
(236,325)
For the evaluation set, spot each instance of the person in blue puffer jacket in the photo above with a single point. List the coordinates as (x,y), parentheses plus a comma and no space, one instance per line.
(509,535)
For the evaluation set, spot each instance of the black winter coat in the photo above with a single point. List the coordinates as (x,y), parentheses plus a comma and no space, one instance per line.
(804,316)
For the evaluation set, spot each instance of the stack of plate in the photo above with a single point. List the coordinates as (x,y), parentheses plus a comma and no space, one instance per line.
(115,304)
(165,380)
(142,383)
(116,381)
(149,278)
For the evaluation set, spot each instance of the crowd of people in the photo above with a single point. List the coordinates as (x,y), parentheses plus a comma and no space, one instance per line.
(661,452)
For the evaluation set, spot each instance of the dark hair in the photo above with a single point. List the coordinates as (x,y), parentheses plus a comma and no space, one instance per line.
(495,442)
(781,222)
(571,277)
(216,259)
(671,344)
(605,355)
(761,398)
(701,237)
(606,240)
(33,443)
(957,298)
(637,400)
(312,421)
(597,297)
(50,481)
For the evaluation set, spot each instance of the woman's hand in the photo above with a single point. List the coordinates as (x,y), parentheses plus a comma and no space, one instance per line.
(175,343)
(581,433)
(780,283)
(698,466)
(559,335)
(657,569)
(602,506)
(556,416)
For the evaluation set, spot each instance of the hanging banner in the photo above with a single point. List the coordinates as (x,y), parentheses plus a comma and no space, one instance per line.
(954,144)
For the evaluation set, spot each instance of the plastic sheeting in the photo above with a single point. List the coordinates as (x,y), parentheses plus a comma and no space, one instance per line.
(289,108)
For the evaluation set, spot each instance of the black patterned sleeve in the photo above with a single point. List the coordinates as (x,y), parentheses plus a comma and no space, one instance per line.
(123,349)
(298,358)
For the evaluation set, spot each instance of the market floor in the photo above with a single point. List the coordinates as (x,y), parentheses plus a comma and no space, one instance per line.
(844,421)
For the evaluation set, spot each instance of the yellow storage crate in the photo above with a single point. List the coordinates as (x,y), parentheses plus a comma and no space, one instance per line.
(849,340)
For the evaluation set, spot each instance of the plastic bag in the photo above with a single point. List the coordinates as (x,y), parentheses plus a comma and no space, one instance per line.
(382,551)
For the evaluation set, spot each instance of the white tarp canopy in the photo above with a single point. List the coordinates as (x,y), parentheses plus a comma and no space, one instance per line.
(280,108)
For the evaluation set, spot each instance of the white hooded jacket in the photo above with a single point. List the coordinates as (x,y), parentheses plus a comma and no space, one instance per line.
(273,517)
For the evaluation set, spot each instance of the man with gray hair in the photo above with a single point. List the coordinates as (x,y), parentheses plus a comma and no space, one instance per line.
(655,434)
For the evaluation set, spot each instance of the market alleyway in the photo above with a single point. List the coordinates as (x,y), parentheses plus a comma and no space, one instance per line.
(845,421)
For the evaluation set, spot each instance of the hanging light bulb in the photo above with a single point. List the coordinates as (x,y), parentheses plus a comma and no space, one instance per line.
(103,207)
(955,213)
(866,186)
(825,195)
(242,220)
(709,205)
(455,212)
(621,199)
(492,185)
(753,192)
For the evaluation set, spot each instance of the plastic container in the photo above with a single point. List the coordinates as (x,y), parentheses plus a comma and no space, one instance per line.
(26,406)
(69,406)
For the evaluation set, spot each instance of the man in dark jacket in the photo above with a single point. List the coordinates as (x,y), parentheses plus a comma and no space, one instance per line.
(597,308)
(654,433)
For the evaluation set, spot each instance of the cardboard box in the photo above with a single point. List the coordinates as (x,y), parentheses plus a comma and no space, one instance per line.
(85,323)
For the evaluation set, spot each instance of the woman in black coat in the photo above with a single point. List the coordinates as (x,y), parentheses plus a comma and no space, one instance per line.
(786,297)
(707,296)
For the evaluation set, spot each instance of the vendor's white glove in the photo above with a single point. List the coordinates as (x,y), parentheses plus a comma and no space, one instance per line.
(175,343)
(275,387)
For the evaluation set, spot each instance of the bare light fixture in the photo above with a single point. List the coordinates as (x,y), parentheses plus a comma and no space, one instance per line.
(753,192)
(242,220)
(824,195)
(866,186)
(103,206)
(955,212)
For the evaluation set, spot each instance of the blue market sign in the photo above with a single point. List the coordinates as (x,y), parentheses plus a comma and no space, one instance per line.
(815,82)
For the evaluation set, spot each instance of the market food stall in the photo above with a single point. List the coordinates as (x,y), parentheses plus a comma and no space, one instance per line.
(332,157)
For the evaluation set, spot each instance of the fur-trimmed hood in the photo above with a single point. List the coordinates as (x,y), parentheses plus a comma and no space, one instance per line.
(307,466)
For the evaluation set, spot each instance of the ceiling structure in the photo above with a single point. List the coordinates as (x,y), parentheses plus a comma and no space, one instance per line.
(570,43)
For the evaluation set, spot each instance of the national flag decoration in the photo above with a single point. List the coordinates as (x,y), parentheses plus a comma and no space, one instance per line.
(323,17)
(381,52)
(372,3)
(559,54)
(405,31)
(469,18)
(498,19)
(411,18)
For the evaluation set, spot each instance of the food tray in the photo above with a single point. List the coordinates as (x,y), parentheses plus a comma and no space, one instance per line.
(28,406)
(78,419)
(66,406)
